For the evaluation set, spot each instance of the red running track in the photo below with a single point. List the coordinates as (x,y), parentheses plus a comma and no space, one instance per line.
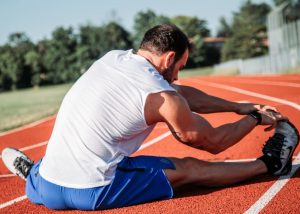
(263,194)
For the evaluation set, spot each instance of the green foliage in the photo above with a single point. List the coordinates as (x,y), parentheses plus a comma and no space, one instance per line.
(143,21)
(195,29)
(24,106)
(248,32)
(58,59)
(14,72)
(192,72)
(191,25)
(32,61)
(224,29)
(94,41)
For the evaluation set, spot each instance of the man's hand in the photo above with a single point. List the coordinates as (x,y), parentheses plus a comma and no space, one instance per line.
(246,108)
(270,117)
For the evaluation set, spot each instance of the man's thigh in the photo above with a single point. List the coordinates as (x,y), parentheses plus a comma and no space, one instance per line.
(188,170)
(138,180)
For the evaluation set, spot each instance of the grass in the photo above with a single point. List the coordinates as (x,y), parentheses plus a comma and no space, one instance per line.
(196,72)
(25,106)
(295,70)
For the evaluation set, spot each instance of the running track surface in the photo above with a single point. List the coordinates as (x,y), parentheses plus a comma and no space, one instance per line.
(264,194)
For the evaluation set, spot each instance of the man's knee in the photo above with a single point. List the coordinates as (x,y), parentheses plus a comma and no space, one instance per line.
(187,170)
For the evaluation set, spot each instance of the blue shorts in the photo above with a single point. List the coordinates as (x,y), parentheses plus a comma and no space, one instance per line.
(137,180)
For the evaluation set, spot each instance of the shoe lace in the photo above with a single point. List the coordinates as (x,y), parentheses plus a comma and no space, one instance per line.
(273,145)
(23,166)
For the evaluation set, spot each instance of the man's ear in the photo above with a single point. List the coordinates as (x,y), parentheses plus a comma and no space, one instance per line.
(170,58)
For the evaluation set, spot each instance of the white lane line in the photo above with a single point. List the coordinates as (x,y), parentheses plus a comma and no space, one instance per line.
(263,82)
(28,125)
(274,189)
(11,202)
(7,175)
(243,101)
(249,93)
(155,140)
(31,147)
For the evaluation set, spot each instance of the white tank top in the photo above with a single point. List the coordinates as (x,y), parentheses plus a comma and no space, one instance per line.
(101,120)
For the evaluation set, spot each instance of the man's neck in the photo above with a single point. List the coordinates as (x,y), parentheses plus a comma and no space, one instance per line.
(155,60)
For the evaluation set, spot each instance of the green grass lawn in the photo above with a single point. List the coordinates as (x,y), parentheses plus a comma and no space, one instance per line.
(196,72)
(24,106)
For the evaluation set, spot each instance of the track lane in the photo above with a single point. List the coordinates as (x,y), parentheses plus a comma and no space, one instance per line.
(287,200)
(196,200)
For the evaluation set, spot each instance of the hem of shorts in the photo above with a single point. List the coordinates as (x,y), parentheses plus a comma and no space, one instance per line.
(77,186)
(170,186)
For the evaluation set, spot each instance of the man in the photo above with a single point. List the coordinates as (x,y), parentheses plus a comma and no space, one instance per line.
(113,107)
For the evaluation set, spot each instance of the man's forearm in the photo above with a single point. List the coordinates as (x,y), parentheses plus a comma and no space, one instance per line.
(201,102)
(230,134)
(215,140)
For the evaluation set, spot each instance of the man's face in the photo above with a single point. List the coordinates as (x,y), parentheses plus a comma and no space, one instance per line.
(170,74)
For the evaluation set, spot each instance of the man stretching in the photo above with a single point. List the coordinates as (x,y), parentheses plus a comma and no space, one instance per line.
(112,108)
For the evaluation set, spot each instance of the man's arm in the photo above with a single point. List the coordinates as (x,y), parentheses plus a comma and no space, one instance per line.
(201,102)
(193,130)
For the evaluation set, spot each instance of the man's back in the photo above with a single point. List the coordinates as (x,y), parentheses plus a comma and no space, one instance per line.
(101,120)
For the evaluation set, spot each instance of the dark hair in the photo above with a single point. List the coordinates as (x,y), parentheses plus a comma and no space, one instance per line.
(163,38)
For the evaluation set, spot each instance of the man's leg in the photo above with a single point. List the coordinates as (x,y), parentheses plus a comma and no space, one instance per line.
(193,171)
(276,160)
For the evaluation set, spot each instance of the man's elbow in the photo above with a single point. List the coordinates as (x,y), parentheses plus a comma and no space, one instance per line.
(210,143)
(215,150)
(213,146)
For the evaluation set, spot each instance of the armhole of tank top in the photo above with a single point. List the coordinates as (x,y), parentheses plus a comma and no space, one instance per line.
(145,98)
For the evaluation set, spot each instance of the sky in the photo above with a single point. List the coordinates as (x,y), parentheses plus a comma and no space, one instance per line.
(38,18)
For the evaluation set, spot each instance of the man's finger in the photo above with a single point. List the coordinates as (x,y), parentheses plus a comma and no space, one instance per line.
(269,108)
(279,117)
(269,128)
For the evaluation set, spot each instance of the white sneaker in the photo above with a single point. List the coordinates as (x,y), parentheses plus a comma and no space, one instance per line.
(17,162)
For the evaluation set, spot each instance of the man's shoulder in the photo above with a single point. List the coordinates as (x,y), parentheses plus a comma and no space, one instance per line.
(165,97)
(114,53)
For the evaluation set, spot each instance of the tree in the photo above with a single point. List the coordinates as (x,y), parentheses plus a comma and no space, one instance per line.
(59,58)
(191,25)
(116,37)
(32,60)
(94,42)
(91,39)
(8,68)
(248,32)
(195,29)
(144,21)
(224,29)
(15,73)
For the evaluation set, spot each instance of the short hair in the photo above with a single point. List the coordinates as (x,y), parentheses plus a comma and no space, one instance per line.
(163,38)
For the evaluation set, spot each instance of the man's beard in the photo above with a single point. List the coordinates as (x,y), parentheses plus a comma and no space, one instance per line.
(168,73)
